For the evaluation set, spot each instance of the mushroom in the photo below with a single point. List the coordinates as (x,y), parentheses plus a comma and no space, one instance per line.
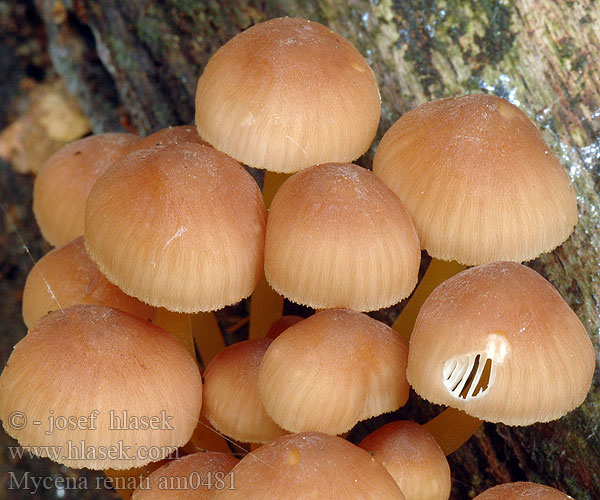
(498,342)
(232,403)
(413,458)
(193,477)
(66,276)
(331,370)
(139,393)
(337,236)
(309,465)
(63,184)
(520,490)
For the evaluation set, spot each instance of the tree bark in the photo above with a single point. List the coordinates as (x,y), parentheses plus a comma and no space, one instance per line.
(540,55)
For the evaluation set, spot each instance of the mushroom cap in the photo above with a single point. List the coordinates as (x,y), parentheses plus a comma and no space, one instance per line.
(193,477)
(287,94)
(63,184)
(170,135)
(337,236)
(498,342)
(331,370)
(522,491)
(66,276)
(308,466)
(231,400)
(478,180)
(413,458)
(114,364)
(178,226)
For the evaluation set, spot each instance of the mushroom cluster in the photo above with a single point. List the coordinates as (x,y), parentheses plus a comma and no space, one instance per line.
(160,231)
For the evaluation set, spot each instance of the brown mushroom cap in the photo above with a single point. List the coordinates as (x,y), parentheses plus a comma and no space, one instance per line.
(170,135)
(67,276)
(413,458)
(287,94)
(478,180)
(178,226)
(337,236)
(499,342)
(309,466)
(62,186)
(522,491)
(331,370)
(86,359)
(193,477)
(231,400)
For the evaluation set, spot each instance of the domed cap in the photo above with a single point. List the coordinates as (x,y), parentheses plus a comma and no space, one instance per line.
(135,386)
(309,466)
(67,276)
(170,135)
(231,400)
(178,226)
(193,477)
(287,94)
(478,180)
(62,186)
(337,236)
(522,491)
(499,342)
(331,370)
(413,458)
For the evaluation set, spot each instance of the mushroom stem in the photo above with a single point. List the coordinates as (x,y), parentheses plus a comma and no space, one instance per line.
(208,336)
(437,272)
(179,325)
(452,428)
(266,305)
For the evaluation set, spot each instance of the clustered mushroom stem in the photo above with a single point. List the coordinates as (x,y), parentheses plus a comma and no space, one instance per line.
(437,272)
(179,325)
(207,335)
(267,305)
(452,428)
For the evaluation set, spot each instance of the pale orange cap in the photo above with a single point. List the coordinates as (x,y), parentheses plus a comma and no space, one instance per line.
(134,391)
(66,276)
(499,342)
(308,466)
(287,94)
(522,490)
(331,370)
(413,458)
(337,236)
(178,226)
(193,477)
(478,180)
(232,403)
(64,183)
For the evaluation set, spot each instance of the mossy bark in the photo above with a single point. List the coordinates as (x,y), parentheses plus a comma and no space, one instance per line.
(541,55)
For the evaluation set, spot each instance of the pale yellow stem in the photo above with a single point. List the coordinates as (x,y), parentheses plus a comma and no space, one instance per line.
(179,325)
(266,305)
(452,428)
(208,336)
(437,272)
